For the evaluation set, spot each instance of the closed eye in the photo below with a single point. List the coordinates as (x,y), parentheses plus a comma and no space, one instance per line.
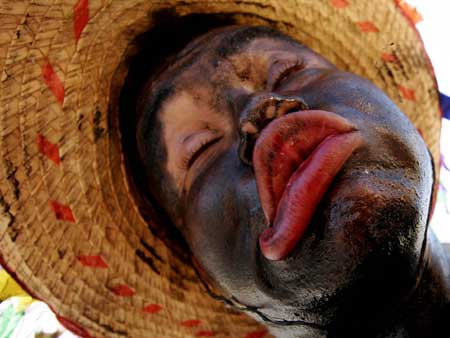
(287,70)
(191,156)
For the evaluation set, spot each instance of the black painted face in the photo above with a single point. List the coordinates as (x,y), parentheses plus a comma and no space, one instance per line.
(362,245)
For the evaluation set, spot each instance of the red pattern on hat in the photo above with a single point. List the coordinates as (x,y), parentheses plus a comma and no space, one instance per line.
(339,3)
(53,82)
(48,148)
(407,93)
(205,334)
(73,327)
(389,57)
(62,212)
(93,261)
(256,334)
(123,290)
(409,11)
(191,323)
(152,308)
(367,27)
(420,131)
(80,17)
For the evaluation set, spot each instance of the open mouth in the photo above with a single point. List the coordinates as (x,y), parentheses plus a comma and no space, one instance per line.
(296,158)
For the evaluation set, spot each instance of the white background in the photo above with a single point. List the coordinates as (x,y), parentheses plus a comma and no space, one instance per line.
(435,32)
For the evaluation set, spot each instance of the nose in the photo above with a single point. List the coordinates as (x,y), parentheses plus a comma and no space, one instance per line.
(260,110)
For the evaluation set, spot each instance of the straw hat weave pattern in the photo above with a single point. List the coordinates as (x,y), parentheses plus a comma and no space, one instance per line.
(70,230)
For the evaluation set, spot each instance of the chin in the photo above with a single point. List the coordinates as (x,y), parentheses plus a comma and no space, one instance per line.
(361,253)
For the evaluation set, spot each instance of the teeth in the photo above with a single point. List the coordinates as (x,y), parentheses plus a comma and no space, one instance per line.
(270,112)
(249,127)
(287,106)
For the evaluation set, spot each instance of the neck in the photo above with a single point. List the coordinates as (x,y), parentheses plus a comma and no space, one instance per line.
(421,316)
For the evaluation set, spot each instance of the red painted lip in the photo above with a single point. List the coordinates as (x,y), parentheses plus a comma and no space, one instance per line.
(296,158)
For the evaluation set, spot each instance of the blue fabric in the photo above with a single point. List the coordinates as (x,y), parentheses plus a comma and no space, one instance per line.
(445,105)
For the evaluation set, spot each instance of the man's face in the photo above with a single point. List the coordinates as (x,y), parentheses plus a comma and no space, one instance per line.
(347,190)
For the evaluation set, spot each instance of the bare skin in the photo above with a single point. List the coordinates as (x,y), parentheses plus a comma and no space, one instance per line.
(366,266)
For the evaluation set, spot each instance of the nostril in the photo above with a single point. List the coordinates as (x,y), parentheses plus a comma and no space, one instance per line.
(259,113)
(246,145)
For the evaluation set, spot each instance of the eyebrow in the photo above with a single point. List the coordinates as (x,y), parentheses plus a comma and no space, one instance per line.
(234,43)
(163,94)
(149,110)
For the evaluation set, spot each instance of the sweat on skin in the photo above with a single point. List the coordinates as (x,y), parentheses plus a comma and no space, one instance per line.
(212,137)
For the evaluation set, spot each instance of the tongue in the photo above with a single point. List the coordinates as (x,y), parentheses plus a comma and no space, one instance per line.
(296,158)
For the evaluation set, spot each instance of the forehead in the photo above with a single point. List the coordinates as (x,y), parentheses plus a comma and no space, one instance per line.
(225,42)
(217,53)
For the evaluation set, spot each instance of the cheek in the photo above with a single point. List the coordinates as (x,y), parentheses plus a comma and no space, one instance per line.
(380,220)
(222,220)
(211,213)
(211,216)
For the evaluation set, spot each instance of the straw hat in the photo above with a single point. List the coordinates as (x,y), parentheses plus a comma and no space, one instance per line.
(72,232)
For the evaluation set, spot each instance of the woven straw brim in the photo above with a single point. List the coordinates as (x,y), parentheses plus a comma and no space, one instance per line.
(70,231)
